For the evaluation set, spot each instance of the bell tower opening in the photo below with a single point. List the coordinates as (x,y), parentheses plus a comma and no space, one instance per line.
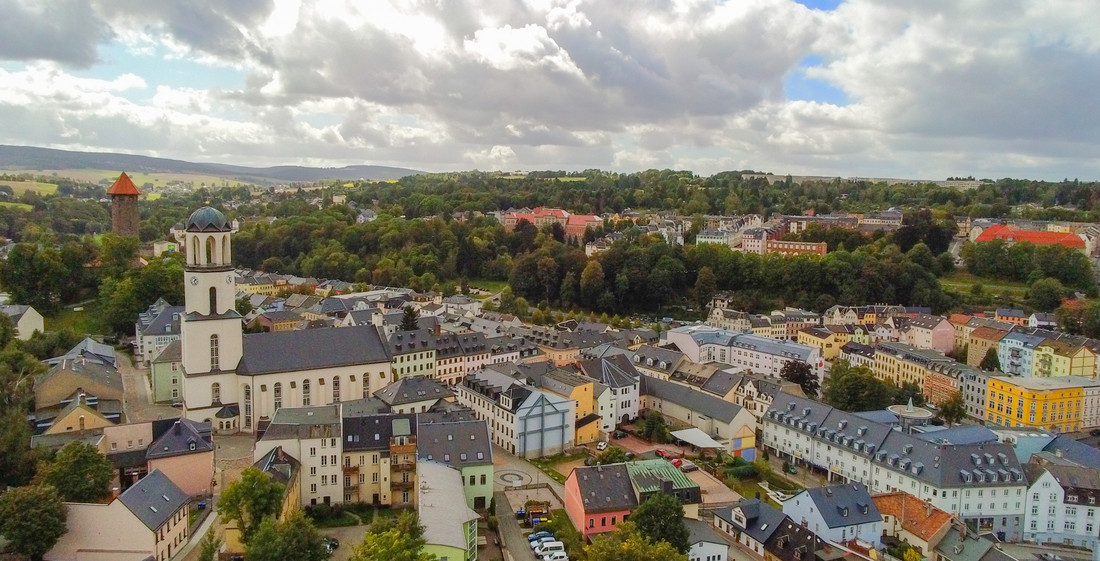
(213,300)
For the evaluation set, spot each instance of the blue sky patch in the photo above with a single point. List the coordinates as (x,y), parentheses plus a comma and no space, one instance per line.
(115,60)
(824,5)
(798,86)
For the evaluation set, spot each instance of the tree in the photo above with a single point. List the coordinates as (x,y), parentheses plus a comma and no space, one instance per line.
(393,538)
(855,388)
(80,473)
(910,390)
(591,282)
(250,499)
(209,546)
(409,315)
(628,544)
(798,372)
(612,455)
(654,427)
(17,458)
(1046,294)
(32,518)
(706,284)
(292,539)
(953,411)
(546,269)
(568,294)
(912,554)
(990,362)
(661,518)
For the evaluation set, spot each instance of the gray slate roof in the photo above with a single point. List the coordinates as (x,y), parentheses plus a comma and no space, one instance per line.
(615,371)
(321,421)
(171,353)
(166,323)
(179,440)
(761,519)
(310,349)
(605,488)
(411,390)
(373,432)
(695,400)
(154,499)
(844,505)
(722,381)
(457,444)
(90,349)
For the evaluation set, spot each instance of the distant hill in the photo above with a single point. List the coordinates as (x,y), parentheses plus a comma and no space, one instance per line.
(31,158)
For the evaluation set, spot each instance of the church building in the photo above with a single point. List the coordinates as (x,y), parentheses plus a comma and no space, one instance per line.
(235,381)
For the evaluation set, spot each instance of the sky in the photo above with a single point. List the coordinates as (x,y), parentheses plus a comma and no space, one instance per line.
(855,88)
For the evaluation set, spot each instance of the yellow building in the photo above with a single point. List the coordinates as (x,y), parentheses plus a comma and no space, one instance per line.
(900,364)
(1055,358)
(828,340)
(1041,403)
(77,417)
(581,390)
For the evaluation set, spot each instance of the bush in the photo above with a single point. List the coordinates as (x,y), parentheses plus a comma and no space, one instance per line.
(743,472)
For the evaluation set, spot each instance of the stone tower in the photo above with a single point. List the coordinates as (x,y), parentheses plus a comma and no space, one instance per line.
(124,206)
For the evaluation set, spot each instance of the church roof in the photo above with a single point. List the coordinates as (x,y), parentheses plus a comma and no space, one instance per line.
(207,219)
(123,186)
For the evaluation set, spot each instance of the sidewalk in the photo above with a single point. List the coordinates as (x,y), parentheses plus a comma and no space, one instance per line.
(192,545)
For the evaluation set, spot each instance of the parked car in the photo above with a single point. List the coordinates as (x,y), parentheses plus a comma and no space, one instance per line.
(539,535)
(535,544)
(601,446)
(546,548)
(664,454)
(630,455)
(618,434)
(331,544)
(555,556)
(687,465)
(677,462)
(790,469)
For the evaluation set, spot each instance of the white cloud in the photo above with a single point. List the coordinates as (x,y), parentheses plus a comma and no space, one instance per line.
(934,88)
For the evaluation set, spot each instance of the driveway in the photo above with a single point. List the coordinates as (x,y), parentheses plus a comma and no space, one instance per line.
(632,443)
(715,492)
(515,541)
(136,401)
(349,537)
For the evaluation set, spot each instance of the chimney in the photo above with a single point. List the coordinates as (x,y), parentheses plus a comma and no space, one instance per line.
(927,508)
(176,428)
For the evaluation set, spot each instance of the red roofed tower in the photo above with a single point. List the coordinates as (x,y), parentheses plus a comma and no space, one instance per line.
(124,206)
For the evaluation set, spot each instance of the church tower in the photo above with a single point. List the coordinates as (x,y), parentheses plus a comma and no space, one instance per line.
(211,333)
(124,206)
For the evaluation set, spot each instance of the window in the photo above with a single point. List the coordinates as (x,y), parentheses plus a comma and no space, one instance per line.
(248,406)
(335,389)
(305,392)
(213,300)
(278,395)
(215,393)
(483,479)
(213,352)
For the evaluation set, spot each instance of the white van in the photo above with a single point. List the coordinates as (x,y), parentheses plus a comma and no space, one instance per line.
(556,556)
(549,547)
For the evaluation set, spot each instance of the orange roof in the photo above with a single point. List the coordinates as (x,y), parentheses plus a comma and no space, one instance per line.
(582,219)
(988,333)
(123,186)
(958,319)
(1002,232)
(915,516)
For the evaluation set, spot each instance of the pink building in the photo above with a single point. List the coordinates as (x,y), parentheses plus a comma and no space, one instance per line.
(597,498)
(185,454)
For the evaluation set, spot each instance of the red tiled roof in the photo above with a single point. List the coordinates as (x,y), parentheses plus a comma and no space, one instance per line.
(958,319)
(917,517)
(1000,231)
(582,219)
(123,186)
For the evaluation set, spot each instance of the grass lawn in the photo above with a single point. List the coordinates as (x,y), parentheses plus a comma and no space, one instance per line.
(344,519)
(963,281)
(152,196)
(20,187)
(546,464)
(490,285)
(88,321)
(18,206)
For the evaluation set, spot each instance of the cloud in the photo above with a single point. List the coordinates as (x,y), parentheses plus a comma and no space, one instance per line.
(931,88)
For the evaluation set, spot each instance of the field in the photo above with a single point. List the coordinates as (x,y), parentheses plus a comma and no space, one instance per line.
(20,187)
(20,206)
(963,282)
(87,321)
(157,179)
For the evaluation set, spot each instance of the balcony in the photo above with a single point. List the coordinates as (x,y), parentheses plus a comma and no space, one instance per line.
(396,449)
(351,470)
(402,485)
(353,488)
(403,466)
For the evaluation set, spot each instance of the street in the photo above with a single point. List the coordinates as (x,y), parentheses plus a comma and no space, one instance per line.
(137,402)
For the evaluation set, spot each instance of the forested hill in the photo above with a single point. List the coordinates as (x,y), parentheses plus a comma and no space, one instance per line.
(32,157)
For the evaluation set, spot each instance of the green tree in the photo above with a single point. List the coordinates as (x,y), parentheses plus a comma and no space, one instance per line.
(953,411)
(17,459)
(661,518)
(798,372)
(393,538)
(628,544)
(654,427)
(291,539)
(569,287)
(32,518)
(243,306)
(855,388)
(1046,294)
(80,473)
(35,275)
(613,455)
(249,500)
(409,316)
(591,282)
(909,390)
(706,284)
(547,273)
(990,362)
(913,554)
(209,546)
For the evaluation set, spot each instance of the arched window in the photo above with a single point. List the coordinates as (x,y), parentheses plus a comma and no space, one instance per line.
(225,250)
(215,393)
(247,407)
(82,422)
(278,395)
(193,255)
(213,300)
(210,250)
(335,389)
(305,391)
(213,352)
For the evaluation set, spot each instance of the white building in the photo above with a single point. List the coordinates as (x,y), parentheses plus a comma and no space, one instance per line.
(717,236)
(1062,502)
(838,513)
(704,544)
(234,382)
(762,355)
(979,479)
(523,419)
(26,319)
(618,373)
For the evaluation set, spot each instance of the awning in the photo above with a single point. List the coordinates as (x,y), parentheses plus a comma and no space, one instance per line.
(697,438)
